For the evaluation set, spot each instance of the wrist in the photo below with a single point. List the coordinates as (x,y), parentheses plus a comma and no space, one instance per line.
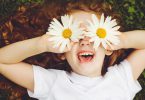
(126,41)
(41,44)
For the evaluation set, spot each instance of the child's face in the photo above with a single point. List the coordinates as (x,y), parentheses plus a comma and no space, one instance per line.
(91,65)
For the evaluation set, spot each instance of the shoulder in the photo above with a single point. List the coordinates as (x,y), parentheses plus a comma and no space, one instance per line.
(122,70)
(137,61)
(45,80)
(38,70)
(123,67)
(123,76)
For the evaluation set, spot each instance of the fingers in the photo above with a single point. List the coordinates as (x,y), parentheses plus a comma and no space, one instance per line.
(113,47)
(68,48)
(108,47)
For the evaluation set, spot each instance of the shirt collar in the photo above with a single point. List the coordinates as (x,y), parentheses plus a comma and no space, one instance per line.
(83,80)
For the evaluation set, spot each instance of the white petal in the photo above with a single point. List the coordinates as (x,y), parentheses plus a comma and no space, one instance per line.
(109,44)
(63,45)
(54,38)
(75,38)
(92,26)
(90,23)
(107,22)
(58,23)
(94,39)
(68,44)
(113,23)
(102,20)
(95,19)
(65,20)
(104,44)
(115,28)
(75,23)
(113,39)
(96,44)
(54,33)
(108,19)
(114,33)
(58,43)
(55,27)
(77,33)
(70,21)
(90,34)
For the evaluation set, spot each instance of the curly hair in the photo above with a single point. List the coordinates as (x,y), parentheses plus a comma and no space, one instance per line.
(33,21)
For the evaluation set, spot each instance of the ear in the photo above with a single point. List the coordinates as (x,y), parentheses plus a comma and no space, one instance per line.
(62,57)
(108,52)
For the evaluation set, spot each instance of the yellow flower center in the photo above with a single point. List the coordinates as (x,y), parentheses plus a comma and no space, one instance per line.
(101,33)
(67,33)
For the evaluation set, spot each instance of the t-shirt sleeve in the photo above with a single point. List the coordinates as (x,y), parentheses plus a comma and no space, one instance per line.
(125,76)
(43,81)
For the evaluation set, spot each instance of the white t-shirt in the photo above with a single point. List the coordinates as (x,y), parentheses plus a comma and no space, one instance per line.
(117,84)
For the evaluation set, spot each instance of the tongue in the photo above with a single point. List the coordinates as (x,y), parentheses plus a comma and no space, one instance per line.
(85,59)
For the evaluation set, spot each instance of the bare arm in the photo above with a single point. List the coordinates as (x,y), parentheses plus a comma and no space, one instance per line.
(134,39)
(19,51)
(12,55)
(20,73)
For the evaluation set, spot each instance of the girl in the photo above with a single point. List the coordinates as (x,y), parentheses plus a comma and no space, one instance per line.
(87,78)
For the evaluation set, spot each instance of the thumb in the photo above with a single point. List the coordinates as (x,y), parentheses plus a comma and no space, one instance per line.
(69,47)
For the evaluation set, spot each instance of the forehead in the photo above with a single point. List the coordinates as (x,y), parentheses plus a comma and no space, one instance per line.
(81,16)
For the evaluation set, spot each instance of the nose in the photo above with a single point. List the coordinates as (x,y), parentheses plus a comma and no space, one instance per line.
(85,41)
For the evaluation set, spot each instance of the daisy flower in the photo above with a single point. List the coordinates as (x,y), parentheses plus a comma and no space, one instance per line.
(62,33)
(103,31)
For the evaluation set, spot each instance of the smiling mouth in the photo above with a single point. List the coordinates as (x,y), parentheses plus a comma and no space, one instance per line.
(85,56)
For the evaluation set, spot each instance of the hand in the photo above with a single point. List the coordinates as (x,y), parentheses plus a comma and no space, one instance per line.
(121,45)
(48,45)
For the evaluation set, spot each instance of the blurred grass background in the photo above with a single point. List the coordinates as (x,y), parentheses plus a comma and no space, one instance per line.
(133,16)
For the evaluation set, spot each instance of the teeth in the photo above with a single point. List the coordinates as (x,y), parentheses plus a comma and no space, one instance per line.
(85,54)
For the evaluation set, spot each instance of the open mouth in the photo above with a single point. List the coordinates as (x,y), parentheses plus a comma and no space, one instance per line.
(85,56)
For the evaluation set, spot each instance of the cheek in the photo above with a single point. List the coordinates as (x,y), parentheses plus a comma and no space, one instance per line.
(100,55)
(101,50)
(71,56)
(67,56)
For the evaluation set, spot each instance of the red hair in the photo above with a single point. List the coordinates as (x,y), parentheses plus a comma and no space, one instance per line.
(33,21)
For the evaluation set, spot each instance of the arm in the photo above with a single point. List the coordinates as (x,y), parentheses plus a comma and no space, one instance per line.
(19,51)
(12,55)
(135,39)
